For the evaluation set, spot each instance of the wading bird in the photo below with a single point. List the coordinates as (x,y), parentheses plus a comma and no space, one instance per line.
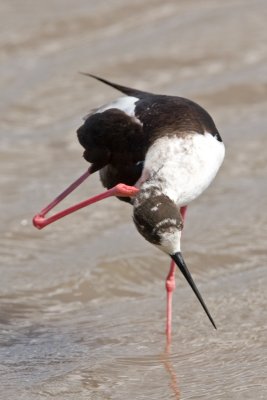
(156,152)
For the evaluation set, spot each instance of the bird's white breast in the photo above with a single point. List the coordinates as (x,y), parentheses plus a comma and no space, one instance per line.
(182,167)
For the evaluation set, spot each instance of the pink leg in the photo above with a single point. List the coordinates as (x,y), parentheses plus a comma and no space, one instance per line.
(40,221)
(170,286)
(183,212)
(65,193)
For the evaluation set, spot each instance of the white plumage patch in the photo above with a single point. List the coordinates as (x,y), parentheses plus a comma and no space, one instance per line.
(125,104)
(170,242)
(164,221)
(182,168)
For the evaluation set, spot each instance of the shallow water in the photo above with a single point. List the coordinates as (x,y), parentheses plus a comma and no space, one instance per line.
(83,301)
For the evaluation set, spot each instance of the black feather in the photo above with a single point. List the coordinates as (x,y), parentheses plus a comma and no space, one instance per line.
(124,89)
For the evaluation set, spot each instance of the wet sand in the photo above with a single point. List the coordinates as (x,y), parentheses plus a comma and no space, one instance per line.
(83,301)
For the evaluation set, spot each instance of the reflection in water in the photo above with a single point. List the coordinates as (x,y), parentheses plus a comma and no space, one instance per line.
(167,362)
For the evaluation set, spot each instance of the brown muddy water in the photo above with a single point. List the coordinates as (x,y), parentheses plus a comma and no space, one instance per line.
(83,302)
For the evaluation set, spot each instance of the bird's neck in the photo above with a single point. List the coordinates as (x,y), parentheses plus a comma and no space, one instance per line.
(149,189)
(155,186)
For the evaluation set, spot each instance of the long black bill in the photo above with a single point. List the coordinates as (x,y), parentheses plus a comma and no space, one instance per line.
(179,261)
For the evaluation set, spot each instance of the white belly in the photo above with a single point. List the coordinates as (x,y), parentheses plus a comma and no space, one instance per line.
(182,168)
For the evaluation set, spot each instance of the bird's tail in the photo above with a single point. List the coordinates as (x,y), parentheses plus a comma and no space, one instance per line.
(124,89)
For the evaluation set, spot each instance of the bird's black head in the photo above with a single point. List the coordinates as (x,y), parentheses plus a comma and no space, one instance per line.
(159,221)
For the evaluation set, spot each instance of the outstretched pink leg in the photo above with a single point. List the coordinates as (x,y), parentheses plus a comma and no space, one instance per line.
(121,190)
(170,286)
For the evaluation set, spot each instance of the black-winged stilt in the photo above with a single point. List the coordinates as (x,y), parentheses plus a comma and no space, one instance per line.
(157,152)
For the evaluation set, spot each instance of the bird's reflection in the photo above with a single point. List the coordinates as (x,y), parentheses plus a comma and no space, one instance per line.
(168,365)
